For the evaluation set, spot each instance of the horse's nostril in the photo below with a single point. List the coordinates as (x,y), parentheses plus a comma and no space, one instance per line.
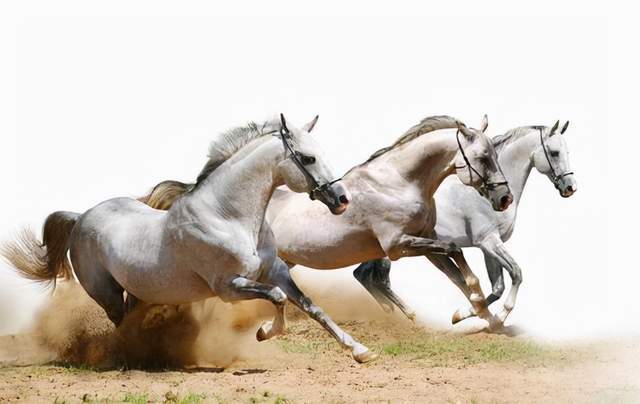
(505,200)
(343,199)
(570,188)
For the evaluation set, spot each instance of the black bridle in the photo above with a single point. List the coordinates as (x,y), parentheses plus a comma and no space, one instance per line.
(555,177)
(489,186)
(318,190)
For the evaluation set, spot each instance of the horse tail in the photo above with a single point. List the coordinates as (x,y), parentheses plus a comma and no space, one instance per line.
(46,261)
(163,195)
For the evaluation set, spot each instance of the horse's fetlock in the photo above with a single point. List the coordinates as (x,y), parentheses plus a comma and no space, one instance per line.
(472,281)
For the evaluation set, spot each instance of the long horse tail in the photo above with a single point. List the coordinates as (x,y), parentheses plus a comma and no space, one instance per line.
(47,261)
(163,195)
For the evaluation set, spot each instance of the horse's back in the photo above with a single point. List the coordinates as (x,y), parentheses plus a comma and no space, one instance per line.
(116,226)
(120,213)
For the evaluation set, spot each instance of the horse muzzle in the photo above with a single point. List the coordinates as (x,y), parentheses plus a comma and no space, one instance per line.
(334,195)
(566,185)
(500,198)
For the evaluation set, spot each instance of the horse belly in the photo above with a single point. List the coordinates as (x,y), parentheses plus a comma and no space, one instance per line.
(321,251)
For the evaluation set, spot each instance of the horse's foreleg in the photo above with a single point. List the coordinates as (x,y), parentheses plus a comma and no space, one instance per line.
(240,288)
(494,269)
(499,253)
(477,299)
(467,282)
(374,276)
(412,246)
(272,328)
(279,275)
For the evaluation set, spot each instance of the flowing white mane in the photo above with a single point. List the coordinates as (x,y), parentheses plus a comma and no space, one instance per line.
(227,143)
(501,141)
(428,124)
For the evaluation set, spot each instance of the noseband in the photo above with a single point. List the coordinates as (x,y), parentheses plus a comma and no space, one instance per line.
(555,177)
(295,156)
(489,186)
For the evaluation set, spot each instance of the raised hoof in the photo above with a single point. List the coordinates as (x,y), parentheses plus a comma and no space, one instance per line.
(263,332)
(366,356)
(457,317)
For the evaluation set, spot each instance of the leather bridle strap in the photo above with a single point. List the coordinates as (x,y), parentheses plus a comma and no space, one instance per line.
(556,177)
(317,188)
(486,184)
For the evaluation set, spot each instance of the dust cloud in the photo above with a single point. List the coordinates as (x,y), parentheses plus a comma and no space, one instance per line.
(210,333)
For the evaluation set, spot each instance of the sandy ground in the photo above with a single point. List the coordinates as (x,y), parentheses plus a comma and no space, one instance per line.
(306,366)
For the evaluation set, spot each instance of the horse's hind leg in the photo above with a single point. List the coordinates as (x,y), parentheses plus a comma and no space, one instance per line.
(279,275)
(130,303)
(374,276)
(104,289)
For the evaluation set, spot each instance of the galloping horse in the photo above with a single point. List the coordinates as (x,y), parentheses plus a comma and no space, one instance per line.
(214,241)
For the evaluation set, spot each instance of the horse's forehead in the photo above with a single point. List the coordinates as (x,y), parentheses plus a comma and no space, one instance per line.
(306,142)
(481,141)
(558,141)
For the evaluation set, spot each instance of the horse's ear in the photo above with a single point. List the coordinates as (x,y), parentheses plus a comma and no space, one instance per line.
(462,128)
(554,128)
(310,125)
(564,128)
(283,122)
(485,123)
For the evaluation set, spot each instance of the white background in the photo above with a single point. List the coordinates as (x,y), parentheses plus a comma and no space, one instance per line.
(100,102)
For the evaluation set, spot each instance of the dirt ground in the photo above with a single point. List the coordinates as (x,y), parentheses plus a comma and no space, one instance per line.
(307,366)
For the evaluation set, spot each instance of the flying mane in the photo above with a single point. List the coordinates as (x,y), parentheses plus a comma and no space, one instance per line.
(428,124)
(227,143)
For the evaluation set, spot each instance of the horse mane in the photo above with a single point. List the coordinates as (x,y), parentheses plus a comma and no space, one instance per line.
(501,141)
(428,124)
(229,142)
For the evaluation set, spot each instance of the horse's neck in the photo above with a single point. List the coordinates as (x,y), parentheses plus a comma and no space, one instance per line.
(515,161)
(242,186)
(427,160)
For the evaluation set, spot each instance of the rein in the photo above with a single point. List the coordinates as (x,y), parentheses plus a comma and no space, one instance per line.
(295,156)
(556,178)
(486,184)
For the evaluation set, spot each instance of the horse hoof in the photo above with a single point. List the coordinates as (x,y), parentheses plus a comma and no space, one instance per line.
(366,356)
(263,332)
(457,317)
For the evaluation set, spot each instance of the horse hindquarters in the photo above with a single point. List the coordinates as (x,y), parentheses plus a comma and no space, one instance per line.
(94,277)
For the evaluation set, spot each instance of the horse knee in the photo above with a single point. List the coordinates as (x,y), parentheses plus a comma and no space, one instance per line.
(517,277)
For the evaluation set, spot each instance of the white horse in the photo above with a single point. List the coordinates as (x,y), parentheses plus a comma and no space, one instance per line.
(392,210)
(214,241)
(468,220)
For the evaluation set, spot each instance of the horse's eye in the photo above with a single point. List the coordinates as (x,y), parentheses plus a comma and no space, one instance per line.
(307,160)
(554,153)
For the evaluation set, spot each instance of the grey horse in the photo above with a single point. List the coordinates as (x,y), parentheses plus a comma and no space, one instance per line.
(214,241)
(468,220)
